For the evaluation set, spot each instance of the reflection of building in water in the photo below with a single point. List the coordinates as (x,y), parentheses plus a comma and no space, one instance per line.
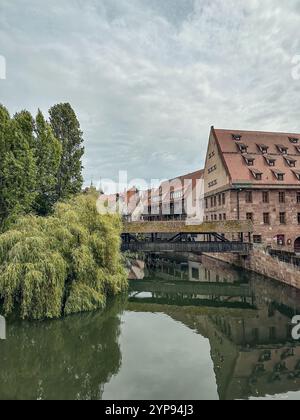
(252,350)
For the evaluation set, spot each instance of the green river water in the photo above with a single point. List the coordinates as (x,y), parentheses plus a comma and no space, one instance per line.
(188,329)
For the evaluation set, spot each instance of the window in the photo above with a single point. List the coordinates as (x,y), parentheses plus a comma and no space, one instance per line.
(212,169)
(212,183)
(224,216)
(236,137)
(195,273)
(257,239)
(298,218)
(266,217)
(211,201)
(271,161)
(297,174)
(279,175)
(223,199)
(215,201)
(298,197)
(282,197)
(256,174)
(265,197)
(293,140)
(220,199)
(282,218)
(249,197)
(282,149)
(211,155)
(290,161)
(206,203)
(263,148)
(242,147)
(249,216)
(249,160)
(216,217)
(220,217)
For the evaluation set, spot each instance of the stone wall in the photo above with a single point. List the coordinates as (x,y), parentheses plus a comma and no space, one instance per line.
(262,263)
(236,207)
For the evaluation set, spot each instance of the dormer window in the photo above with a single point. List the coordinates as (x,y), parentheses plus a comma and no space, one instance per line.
(297,174)
(242,147)
(249,160)
(282,149)
(293,140)
(257,175)
(297,148)
(236,137)
(263,148)
(271,161)
(279,175)
(290,161)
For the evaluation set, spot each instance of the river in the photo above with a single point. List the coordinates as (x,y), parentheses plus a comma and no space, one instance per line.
(188,329)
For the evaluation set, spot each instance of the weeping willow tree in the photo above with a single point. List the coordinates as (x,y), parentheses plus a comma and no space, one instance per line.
(63,264)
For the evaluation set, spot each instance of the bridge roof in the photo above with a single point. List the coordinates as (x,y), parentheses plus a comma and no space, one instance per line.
(229,226)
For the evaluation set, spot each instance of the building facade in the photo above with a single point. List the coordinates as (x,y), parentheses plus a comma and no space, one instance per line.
(176,199)
(255,176)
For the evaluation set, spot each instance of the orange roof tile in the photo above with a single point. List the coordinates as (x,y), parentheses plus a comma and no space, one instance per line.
(237,166)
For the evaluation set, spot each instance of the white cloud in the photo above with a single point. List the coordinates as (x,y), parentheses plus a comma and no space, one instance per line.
(149,78)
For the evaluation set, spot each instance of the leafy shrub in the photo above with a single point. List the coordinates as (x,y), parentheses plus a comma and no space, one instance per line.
(62,264)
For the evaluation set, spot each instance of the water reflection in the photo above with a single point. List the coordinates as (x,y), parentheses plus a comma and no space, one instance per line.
(225,333)
(246,318)
(65,359)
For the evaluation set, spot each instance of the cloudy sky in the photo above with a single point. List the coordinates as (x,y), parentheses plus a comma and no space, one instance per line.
(149,77)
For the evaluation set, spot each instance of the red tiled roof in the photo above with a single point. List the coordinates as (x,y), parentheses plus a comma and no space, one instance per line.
(237,166)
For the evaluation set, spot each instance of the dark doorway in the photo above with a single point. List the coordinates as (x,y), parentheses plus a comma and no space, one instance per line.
(297,246)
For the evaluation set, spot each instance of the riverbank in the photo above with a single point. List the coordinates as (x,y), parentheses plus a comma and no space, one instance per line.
(261,262)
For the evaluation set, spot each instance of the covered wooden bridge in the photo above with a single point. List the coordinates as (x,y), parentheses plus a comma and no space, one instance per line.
(173,236)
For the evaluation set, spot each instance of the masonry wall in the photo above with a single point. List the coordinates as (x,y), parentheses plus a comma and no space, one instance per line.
(276,233)
(259,261)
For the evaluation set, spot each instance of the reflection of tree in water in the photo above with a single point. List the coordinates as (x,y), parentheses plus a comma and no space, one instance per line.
(66,359)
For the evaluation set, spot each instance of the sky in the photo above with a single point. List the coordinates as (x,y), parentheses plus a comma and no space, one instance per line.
(148,78)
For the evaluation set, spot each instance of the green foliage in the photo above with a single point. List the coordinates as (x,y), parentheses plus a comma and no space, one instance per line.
(38,168)
(63,264)
(67,130)
(48,157)
(18,165)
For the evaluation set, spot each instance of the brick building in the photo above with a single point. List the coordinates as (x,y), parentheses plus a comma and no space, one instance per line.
(256,176)
(175,199)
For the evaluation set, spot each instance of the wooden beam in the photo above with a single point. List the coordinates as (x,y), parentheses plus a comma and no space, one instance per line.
(229,226)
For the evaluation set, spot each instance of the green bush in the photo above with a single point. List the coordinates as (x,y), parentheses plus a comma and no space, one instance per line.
(63,264)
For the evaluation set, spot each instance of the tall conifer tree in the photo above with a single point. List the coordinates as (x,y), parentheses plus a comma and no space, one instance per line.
(48,157)
(67,130)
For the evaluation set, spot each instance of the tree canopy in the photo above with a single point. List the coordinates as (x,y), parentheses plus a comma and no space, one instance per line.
(66,128)
(62,264)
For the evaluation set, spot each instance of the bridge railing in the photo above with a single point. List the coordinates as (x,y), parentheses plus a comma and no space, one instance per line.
(182,247)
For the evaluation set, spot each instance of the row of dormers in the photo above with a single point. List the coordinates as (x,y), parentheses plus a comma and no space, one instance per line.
(238,137)
(279,175)
(283,150)
(270,160)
